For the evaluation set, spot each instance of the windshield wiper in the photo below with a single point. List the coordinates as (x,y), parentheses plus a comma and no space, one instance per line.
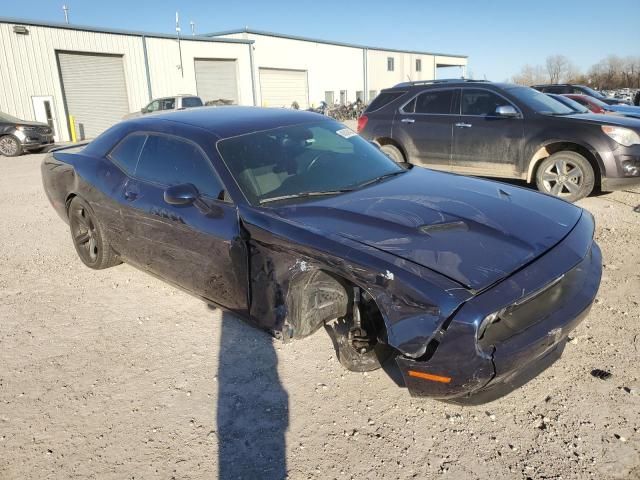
(380,178)
(305,194)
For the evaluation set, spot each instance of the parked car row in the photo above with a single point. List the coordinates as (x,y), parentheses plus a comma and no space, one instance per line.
(597,106)
(507,131)
(569,89)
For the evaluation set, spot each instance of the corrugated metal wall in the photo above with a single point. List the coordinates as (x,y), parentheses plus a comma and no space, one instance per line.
(216,79)
(280,88)
(95,91)
(28,66)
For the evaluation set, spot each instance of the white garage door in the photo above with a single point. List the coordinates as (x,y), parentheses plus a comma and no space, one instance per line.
(216,80)
(95,91)
(280,88)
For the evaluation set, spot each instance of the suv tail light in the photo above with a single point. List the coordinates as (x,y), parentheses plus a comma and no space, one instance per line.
(362,122)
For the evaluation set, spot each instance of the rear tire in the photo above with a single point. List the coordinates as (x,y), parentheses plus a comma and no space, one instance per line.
(393,153)
(567,175)
(10,146)
(89,238)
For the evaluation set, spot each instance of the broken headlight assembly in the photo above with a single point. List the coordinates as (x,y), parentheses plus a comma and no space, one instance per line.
(488,320)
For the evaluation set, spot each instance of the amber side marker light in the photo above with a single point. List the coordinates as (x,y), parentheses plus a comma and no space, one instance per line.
(429,376)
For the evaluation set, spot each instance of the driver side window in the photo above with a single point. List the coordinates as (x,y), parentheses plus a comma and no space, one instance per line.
(481,102)
(170,161)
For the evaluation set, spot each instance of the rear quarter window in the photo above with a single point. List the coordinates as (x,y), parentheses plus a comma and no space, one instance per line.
(126,153)
(384,99)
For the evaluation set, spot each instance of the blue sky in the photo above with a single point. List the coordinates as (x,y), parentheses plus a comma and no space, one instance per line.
(498,36)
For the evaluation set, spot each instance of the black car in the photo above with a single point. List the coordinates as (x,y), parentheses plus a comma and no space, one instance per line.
(19,136)
(294,222)
(569,89)
(504,130)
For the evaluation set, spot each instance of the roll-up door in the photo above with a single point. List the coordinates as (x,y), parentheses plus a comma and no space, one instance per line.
(280,88)
(216,80)
(95,91)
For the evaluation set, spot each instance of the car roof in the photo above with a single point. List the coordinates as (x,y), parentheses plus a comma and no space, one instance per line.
(231,121)
(451,84)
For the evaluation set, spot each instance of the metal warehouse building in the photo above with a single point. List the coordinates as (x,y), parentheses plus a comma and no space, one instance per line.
(308,70)
(88,78)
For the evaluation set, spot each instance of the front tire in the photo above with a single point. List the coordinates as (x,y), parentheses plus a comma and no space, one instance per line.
(348,356)
(10,146)
(393,153)
(567,175)
(89,238)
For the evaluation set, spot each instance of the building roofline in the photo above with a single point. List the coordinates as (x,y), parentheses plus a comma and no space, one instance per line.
(330,42)
(134,33)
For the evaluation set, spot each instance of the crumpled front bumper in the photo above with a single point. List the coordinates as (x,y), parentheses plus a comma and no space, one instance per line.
(460,369)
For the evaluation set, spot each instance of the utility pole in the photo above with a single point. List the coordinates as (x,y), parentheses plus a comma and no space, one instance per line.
(179,44)
(193,28)
(65,9)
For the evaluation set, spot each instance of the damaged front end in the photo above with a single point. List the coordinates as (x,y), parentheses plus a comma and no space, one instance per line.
(507,335)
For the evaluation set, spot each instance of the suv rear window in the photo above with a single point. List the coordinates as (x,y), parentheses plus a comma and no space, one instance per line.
(189,102)
(383,99)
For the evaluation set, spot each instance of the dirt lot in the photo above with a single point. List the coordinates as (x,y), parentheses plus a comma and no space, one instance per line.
(114,374)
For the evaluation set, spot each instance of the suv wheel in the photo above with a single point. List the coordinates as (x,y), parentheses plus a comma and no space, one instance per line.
(393,153)
(567,175)
(10,146)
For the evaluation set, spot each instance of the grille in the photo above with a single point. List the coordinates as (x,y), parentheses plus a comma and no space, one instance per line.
(44,130)
(537,307)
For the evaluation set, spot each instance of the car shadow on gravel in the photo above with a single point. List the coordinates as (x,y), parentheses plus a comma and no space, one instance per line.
(253,406)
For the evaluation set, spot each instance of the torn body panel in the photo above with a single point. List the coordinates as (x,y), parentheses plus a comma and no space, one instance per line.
(282,272)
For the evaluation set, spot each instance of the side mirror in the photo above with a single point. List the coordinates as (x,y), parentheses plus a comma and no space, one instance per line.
(506,111)
(183,194)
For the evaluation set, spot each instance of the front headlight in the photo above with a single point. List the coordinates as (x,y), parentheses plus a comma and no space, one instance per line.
(621,135)
(25,128)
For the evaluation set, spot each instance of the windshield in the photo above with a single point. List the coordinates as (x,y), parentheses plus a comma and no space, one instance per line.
(570,103)
(303,161)
(5,117)
(540,102)
(592,92)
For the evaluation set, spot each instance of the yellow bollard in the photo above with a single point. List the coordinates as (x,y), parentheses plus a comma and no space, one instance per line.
(72,123)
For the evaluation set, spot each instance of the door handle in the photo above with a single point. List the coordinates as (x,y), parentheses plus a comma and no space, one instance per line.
(463,125)
(408,120)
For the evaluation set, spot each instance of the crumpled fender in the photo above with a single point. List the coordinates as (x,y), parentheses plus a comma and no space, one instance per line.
(414,301)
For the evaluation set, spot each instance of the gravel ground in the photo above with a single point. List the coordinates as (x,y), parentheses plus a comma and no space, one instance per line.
(114,374)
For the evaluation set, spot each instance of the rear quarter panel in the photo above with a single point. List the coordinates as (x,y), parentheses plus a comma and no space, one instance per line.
(70,173)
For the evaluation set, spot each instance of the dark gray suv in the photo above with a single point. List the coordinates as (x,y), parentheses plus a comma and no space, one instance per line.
(18,136)
(503,130)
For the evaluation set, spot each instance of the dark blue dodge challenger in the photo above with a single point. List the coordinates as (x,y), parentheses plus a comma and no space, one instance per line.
(294,222)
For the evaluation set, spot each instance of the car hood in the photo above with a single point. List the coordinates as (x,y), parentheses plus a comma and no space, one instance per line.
(600,119)
(475,232)
(626,109)
(29,123)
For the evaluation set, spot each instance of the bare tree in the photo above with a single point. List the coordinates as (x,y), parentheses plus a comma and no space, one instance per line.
(556,65)
(530,75)
(609,73)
